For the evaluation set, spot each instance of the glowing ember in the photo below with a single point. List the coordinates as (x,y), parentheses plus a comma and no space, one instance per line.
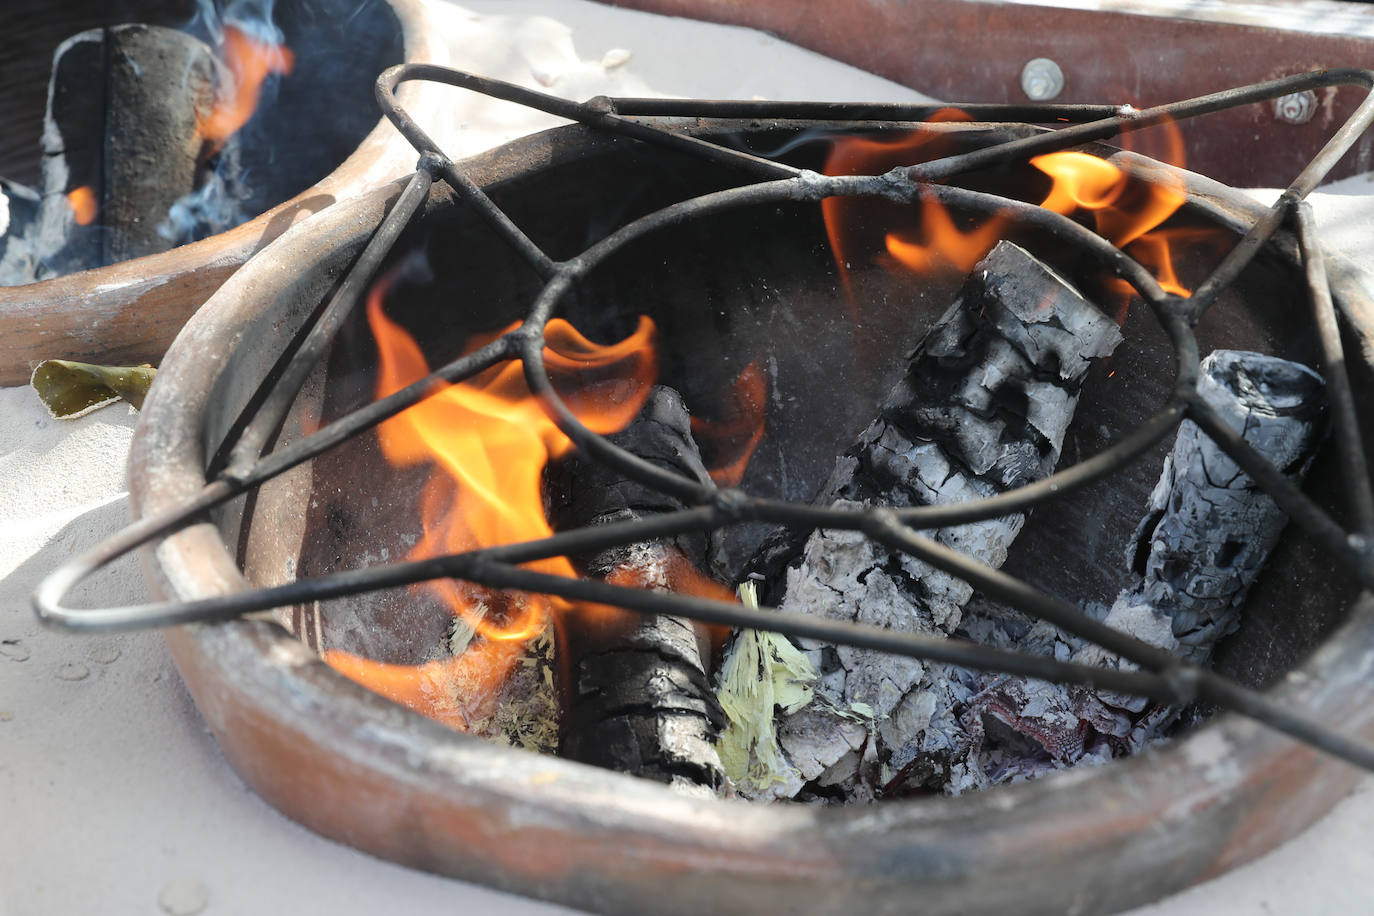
(250,61)
(492,441)
(83,204)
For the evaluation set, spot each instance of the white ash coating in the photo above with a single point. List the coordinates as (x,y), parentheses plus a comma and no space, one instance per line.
(1215,527)
(1017,335)
(1207,533)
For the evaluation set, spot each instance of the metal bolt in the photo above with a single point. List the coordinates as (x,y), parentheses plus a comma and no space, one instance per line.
(1041,79)
(1296,107)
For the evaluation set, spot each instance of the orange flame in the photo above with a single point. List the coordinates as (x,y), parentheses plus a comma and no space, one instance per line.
(492,440)
(1156,249)
(439,689)
(678,575)
(924,239)
(1124,209)
(1127,210)
(250,61)
(941,243)
(83,204)
(728,444)
(686,579)
(1163,142)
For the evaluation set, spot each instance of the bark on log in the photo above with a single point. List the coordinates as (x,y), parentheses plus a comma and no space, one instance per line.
(983,408)
(635,692)
(1207,533)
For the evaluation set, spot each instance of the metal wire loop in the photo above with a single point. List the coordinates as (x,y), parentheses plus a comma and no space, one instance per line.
(1161,676)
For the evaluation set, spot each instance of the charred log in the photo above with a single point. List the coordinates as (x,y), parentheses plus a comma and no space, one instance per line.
(1206,535)
(636,696)
(984,406)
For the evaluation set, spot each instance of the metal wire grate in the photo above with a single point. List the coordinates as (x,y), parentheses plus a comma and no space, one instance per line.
(1160,676)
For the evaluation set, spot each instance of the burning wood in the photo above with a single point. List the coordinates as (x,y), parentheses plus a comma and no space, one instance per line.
(487,441)
(120,143)
(138,148)
(1207,534)
(983,408)
(521,709)
(636,693)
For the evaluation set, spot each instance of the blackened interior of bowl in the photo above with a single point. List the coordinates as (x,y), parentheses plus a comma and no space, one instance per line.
(760,286)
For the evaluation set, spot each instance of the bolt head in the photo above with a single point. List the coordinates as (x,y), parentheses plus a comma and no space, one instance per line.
(1041,79)
(1296,107)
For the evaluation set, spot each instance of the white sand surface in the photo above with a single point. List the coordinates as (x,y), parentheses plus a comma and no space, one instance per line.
(113,797)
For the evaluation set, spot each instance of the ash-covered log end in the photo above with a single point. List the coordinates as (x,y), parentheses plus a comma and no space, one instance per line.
(1207,534)
(1210,529)
(644,706)
(1243,383)
(635,691)
(999,373)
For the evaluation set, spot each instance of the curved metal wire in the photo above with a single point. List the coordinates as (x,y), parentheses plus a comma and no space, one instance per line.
(1161,676)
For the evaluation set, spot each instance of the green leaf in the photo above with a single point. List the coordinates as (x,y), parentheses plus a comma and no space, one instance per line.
(71,390)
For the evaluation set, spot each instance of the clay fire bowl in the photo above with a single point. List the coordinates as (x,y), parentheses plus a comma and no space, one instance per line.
(361,770)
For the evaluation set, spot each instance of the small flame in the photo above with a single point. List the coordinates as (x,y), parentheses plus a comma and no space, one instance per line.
(1127,211)
(250,61)
(677,574)
(83,204)
(928,238)
(686,579)
(441,690)
(940,243)
(924,238)
(1162,142)
(1124,209)
(730,443)
(492,439)
(1155,251)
